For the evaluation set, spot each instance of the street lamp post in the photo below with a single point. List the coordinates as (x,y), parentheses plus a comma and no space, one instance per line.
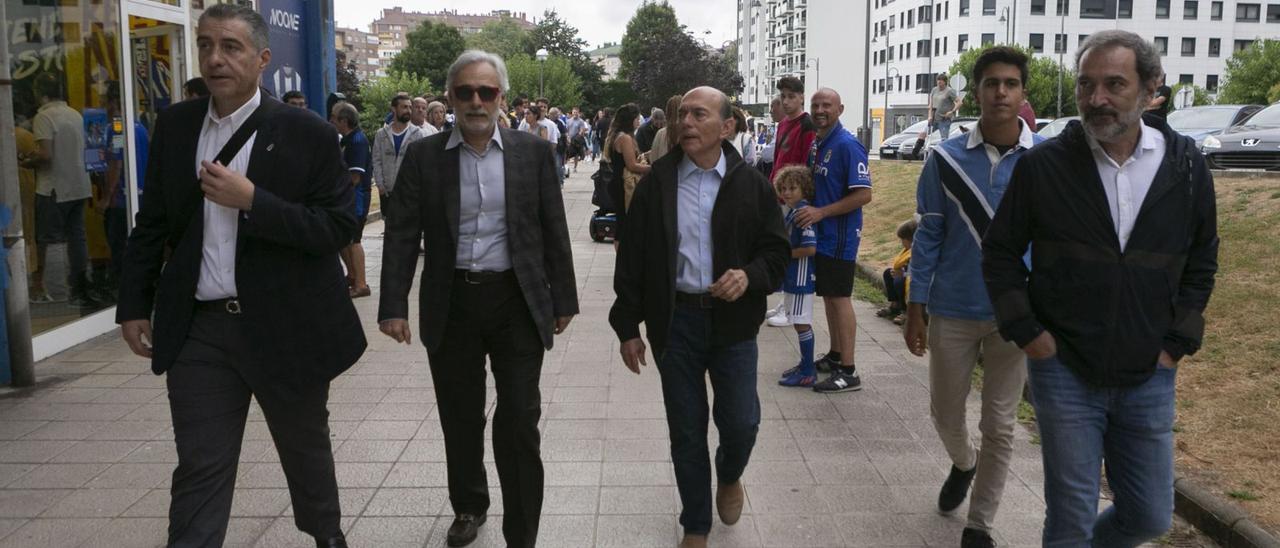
(1062,33)
(889,72)
(1004,18)
(542,60)
(817,70)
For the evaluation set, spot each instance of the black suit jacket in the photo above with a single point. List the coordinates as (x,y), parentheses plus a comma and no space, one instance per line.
(746,233)
(427,201)
(296,310)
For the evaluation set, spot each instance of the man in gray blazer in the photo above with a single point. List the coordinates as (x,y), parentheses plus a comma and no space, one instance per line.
(497,282)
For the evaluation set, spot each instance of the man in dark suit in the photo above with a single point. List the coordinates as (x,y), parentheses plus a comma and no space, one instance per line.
(251,300)
(498,282)
(703,246)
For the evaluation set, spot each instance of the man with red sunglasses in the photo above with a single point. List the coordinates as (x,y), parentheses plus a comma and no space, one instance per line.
(498,284)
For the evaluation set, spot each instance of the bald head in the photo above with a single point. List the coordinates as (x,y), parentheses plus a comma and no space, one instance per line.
(705,119)
(828,94)
(825,109)
(726,108)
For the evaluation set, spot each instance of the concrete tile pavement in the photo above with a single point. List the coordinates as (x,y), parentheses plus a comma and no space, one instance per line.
(85,457)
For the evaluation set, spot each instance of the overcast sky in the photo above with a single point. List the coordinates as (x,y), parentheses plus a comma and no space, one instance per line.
(597,21)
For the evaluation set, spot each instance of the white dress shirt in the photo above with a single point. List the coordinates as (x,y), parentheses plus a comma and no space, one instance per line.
(221,223)
(1127,185)
(482,205)
(696,192)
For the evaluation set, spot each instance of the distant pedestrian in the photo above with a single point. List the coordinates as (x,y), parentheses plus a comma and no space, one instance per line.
(771,142)
(796,132)
(1121,222)
(649,129)
(355,156)
(389,145)
(944,102)
(668,137)
(623,157)
(294,98)
(741,140)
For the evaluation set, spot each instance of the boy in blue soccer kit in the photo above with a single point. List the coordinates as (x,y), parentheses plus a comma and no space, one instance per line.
(795,187)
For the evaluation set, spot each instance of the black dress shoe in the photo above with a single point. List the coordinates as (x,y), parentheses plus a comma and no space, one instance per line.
(976,538)
(955,489)
(337,541)
(464,529)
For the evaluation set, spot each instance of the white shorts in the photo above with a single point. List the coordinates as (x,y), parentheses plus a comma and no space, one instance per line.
(799,308)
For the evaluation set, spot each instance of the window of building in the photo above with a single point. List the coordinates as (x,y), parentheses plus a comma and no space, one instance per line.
(1186,79)
(1215,11)
(962,43)
(911,19)
(1211,83)
(1248,13)
(944,45)
(1162,9)
(988,7)
(1162,45)
(1242,45)
(988,38)
(1037,7)
(1064,6)
(1097,9)
(1188,47)
(1273,13)
(1080,39)
(1059,43)
(1191,10)
(964,8)
(1124,9)
(1037,43)
(1215,47)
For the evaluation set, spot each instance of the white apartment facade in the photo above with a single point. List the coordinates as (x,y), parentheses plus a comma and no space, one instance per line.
(923,38)
(820,41)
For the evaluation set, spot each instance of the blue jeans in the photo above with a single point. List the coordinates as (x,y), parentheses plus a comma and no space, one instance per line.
(686,362)
(1081,426)
(943,125)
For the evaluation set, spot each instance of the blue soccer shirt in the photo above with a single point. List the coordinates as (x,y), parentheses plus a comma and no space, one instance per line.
(839,167)
(799,278)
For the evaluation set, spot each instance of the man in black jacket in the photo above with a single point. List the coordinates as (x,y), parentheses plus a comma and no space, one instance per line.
(704,246)
(251,299)
(1120,218)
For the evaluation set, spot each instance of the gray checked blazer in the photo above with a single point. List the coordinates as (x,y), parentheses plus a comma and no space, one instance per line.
(426,201)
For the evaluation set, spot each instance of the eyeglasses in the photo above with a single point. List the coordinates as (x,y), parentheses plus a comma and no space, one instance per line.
(466,93)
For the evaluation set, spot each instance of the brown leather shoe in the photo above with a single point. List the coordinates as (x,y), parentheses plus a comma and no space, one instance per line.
(729,500)
(694,541)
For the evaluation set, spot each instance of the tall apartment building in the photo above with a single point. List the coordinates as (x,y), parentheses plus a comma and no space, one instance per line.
(395,24)
(913,40)
(820,41)
(361,48)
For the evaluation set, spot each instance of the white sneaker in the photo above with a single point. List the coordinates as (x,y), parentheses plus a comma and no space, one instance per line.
(779,320)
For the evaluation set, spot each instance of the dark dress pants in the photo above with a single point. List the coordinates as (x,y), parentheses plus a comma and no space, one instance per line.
(687,361)
(492,320)
(209,389)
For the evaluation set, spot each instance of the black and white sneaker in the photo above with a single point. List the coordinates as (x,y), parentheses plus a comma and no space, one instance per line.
(825,363)
(839,381)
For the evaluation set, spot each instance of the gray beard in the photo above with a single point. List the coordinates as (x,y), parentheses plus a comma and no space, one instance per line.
(1124,121)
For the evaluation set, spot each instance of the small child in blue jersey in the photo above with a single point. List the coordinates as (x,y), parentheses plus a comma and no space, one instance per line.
(795,186)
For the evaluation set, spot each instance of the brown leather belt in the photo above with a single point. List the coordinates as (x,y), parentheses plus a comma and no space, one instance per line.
(695,300)
(475,277)
(222,306)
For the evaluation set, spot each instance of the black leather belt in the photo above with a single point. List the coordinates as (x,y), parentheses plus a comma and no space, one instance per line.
(695,300)
(222,306)
(478,277)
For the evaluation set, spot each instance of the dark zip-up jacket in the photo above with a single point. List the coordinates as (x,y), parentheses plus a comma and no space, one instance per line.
(1111,312)
(746,234)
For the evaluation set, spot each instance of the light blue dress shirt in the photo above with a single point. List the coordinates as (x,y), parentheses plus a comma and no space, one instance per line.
(696,191)
(482,212)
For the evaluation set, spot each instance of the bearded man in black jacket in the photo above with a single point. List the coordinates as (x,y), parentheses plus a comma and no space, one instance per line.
(1119,215)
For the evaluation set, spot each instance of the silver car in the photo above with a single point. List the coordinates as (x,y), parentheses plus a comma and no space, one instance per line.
(889,148)
(907,150)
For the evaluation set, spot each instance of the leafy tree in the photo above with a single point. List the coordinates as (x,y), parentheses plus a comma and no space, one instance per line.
(503,37)
(561,86)
(561,39)
(1201,96)
(660,59)
(376,95)
(432,48)
(615,93)
(1251,74)
(1041,85)
(348,82)
(1274,94)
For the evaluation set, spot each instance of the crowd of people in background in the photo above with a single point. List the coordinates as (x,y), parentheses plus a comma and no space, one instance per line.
(1010,264)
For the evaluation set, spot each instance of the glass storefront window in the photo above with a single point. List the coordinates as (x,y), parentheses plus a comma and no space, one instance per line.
(66,63)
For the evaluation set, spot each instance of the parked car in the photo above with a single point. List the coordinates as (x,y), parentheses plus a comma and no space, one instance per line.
(958,125)
(1200,122)
(1052,129)
(1041,122)
(889,148)
(1253,145)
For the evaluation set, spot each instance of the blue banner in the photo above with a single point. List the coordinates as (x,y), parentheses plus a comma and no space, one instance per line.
(287,30)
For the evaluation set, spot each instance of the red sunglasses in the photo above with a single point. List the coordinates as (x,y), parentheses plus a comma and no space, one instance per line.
(465,93)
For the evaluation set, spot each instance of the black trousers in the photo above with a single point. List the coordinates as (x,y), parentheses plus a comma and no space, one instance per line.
(209,389)
(492,320)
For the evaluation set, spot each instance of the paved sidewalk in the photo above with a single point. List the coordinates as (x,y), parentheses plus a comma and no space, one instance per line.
(86,456)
